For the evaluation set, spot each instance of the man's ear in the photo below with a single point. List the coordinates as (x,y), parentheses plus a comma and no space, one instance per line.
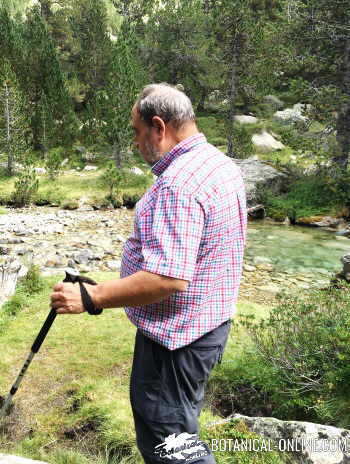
(159,124)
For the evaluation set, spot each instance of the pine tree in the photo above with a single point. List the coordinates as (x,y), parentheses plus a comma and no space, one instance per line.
(90,29)
(113,105)
(46,87)
(14,128)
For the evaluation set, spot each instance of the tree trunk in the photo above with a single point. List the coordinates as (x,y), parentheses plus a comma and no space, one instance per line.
(232,99)
(117,156)
(8,130)
(343,123)
(201,103)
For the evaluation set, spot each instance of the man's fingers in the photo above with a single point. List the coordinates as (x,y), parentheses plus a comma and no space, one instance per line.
(58,287)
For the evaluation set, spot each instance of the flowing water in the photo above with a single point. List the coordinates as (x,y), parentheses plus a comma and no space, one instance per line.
(296,249)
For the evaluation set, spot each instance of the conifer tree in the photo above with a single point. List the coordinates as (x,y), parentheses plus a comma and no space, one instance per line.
(14,128)
(113,105)
(46,87)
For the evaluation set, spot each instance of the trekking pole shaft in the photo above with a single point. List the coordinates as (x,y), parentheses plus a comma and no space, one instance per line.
(44,330)
(16,385)
(35,348)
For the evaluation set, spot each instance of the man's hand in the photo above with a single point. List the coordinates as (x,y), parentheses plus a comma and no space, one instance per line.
(66,298)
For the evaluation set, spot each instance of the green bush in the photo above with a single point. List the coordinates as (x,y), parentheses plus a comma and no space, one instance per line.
(26,186)
(32,282)
(30,285)
(130,199)
(51,196)
(242,141)
(324,192)
(70,204)
(54,162)
(304,344)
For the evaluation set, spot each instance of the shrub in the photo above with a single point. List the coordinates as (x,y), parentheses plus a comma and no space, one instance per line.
(242,141)
(26,186)
(70,204)
(51,196)
(54,162)
(305,344)
(32,282)
(130,199)
(113,179)
(322,192)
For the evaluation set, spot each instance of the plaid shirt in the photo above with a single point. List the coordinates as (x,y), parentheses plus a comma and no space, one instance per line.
(189,225)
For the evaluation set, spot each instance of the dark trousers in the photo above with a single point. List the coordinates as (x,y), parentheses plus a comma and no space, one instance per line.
(166,393)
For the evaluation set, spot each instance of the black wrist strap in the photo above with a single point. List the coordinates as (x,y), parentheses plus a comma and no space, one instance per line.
(87,301)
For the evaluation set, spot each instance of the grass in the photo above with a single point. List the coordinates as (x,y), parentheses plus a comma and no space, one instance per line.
(73,405)
(73,186)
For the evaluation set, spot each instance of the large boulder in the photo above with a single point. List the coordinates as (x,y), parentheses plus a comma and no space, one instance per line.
(274,102)
(9,459)
(308,443)
(9,270)
(245,119)
(292,116)
(265,142)
(258,175)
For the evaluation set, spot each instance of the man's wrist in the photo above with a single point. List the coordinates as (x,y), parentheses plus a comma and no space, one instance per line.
(94,293)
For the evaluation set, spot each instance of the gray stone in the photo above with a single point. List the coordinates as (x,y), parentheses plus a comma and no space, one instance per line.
(309,443)
(274,102)
(136,170)
(82,257)
(245,119)
(346,263)
(291,116)
(113,265)
(265,142)
(258,175)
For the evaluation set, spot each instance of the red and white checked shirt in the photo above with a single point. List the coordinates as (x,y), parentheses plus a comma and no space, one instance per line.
(190,225)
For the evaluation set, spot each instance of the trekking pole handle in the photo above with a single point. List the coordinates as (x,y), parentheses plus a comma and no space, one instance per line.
(71,276)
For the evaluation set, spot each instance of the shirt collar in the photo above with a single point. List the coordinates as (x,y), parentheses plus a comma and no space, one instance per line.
(184,146)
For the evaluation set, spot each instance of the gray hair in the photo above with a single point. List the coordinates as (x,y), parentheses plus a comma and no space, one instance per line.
(165,101)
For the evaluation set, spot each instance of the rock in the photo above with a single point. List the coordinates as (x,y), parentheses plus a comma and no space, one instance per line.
(136,170)
(258,175)
(8,278)
(265,142)
(40,171)
(243,119)
(274,102)
(257,212)
(4,251)
(261,260)
(343,233)
(249,268)
(82,257)
(90,168)
(271,288)
(10,459)
(120,238)
(320,221)
(290,117)
(113,265)
(309,443)
(265,267)
(345,260)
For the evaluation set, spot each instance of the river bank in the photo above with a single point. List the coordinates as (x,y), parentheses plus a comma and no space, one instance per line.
(278,257)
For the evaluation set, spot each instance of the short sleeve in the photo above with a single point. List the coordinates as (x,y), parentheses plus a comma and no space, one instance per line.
(171,231)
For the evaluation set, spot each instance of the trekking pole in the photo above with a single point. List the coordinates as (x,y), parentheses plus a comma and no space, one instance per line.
(71,276)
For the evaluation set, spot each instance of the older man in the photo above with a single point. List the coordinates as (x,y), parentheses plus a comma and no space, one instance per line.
(181,270)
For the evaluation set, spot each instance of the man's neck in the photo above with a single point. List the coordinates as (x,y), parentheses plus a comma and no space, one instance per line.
(178,135)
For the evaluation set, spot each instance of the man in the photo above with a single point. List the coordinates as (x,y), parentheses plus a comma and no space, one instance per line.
(180,275)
